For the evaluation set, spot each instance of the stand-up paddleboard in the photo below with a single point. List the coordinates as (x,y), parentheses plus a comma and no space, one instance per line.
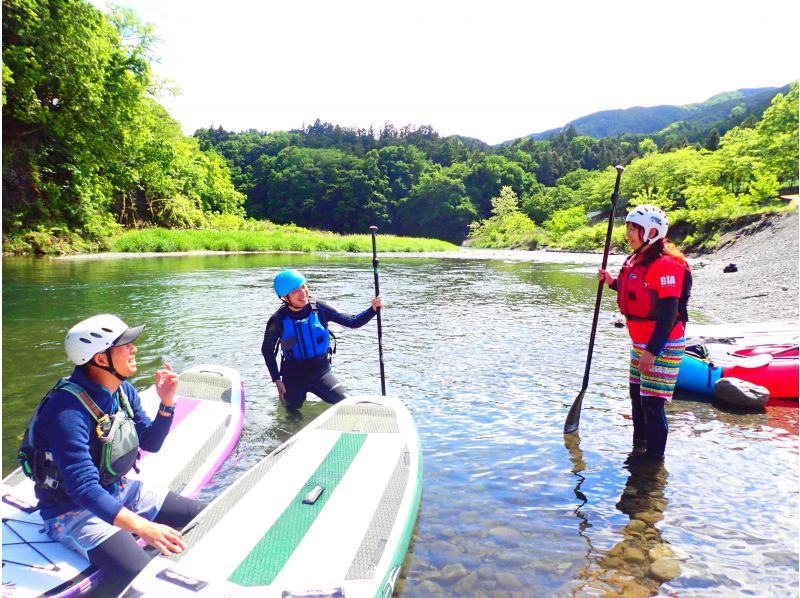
(329,513)
(208,420)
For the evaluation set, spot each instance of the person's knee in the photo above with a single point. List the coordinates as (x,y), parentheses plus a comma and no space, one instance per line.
(293,405)
(294,399)
(119,558)
(330,389)
(336,395)
(178,510)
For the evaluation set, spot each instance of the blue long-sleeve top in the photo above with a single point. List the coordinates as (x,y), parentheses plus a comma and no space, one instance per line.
(327,313)
(65,428)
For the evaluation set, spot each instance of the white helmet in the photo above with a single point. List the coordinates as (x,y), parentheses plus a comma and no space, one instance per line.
(90,337)
(649,217)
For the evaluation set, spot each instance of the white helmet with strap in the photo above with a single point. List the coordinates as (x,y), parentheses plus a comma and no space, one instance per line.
(649,217)
(97,334)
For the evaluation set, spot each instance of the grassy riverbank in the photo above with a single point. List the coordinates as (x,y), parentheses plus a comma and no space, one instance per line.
(276,238)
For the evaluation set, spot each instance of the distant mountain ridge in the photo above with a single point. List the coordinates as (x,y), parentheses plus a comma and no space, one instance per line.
(723,110)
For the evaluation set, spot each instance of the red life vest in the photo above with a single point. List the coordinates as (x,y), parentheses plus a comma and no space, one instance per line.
(639,302)
(635,300)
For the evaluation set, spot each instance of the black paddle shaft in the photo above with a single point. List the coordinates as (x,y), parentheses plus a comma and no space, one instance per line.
(574,415)
(374,230)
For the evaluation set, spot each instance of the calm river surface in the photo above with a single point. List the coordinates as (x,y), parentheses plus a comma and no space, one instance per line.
(488,354)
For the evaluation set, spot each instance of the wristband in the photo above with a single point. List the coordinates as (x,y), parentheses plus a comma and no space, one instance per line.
(168,409)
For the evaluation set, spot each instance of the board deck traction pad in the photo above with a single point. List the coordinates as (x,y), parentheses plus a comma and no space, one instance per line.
(267,558)
(206,386)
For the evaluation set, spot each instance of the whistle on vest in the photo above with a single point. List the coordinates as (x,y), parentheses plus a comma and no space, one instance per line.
(103,427)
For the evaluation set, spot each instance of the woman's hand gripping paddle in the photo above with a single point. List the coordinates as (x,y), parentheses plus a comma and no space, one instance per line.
(574,415)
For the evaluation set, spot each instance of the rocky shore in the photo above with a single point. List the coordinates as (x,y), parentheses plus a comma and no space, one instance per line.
(764,286)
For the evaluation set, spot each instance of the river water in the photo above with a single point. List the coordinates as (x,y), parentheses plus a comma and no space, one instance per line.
(488,352)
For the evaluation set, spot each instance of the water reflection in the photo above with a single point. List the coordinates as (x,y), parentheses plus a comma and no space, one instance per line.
(642,559)
(573,444)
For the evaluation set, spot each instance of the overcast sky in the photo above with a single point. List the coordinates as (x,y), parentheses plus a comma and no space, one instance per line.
(494,70)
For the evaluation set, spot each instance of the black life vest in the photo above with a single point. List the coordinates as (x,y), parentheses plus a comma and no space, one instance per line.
(115,456)
(304,338)
(638,302)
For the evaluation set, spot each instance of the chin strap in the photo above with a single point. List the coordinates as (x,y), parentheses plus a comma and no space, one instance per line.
(110,367)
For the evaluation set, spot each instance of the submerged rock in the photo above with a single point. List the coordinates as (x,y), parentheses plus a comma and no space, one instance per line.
(611,562)
(633,555)
(506,534)
(467,585)
(636,525)
(660,551)
(446,550)
(649,516)
(508,581)
(429,588)
(454,571)
(664,569)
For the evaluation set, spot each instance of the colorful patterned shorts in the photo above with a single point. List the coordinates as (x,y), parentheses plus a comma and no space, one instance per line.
(81,530)
(659,381)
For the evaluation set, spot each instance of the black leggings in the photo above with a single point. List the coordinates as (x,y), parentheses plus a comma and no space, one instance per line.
(120,558)
(649,422)
(327,387)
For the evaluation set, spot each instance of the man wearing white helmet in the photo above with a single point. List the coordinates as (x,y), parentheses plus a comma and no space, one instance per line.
(653,290)
(85,436)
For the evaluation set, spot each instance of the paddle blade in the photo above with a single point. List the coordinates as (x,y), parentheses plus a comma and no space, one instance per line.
(574,415)
(754,361)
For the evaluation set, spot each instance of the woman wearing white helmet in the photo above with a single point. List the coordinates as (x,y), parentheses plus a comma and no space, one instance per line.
(300,329)
(653,289)
(85,436)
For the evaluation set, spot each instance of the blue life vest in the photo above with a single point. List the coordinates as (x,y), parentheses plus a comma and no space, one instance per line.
(306,338)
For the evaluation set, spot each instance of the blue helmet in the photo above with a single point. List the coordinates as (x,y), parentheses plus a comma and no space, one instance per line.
(288,281)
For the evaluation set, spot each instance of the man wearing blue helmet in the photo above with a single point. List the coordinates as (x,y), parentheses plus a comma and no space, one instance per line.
(300,329)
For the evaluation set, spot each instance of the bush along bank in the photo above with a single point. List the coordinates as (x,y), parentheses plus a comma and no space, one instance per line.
(696,231)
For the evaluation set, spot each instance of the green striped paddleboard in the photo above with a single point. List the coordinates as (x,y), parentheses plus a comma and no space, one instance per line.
(329,513)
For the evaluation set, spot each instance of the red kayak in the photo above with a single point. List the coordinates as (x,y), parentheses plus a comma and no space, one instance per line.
(779,375)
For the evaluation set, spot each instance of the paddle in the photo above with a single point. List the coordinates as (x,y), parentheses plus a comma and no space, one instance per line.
(374,230)
(574,415)
(753,361)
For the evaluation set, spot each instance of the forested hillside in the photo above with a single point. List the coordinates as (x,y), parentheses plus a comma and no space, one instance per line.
(703,190)
(676,125)
(88,152)
(409,181)
(414,182)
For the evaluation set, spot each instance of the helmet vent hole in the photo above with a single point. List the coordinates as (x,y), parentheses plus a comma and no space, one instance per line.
(86,340)
(96,334)
(106,329)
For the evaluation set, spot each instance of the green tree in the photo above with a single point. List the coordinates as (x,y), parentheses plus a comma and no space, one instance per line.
(777,133)
(566,220)
(711,142)
(508,225)
(73,94)
(437,206)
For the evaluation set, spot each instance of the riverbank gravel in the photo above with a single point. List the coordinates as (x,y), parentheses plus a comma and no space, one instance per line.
(764,286)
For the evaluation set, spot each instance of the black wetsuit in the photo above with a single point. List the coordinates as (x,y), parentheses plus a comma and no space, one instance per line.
(301,376)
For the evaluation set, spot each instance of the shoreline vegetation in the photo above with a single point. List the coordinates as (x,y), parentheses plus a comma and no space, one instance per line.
(242,235)
(265,238)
